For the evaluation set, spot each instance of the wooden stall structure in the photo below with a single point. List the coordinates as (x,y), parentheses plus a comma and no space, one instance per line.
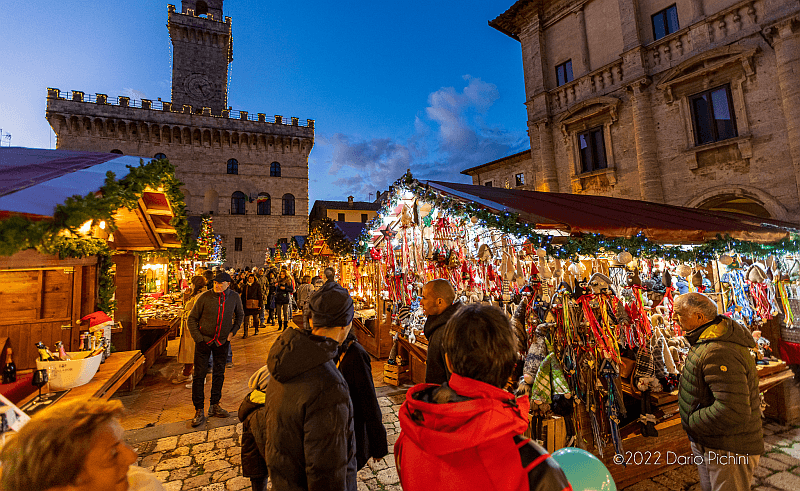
(496,244)
(53,271)
(42,300)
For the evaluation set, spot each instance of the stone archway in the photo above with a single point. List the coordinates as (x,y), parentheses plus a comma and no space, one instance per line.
(751,201)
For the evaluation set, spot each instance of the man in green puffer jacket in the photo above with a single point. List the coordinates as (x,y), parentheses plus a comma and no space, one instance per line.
(719,399)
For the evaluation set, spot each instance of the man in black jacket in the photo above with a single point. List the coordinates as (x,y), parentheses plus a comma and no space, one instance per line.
(310,442)
(719,399)
(356,367)
(437,303)
(214,320)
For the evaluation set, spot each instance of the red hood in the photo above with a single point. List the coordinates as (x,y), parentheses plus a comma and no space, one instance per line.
(456,426)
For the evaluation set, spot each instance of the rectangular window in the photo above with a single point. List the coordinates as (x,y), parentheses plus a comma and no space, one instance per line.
(712,115)
(341,217)
(520,179)
(665,22)
(364,218)
(564,73)
(593,150)
(237,243)
(488,184)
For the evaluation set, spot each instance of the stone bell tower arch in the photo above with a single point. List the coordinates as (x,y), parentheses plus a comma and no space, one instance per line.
(202,49)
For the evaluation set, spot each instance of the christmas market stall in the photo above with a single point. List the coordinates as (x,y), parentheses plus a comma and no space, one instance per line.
(589,283)
(331,244)
(73,228)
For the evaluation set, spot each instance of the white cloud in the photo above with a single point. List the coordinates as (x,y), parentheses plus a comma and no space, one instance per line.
(450,135)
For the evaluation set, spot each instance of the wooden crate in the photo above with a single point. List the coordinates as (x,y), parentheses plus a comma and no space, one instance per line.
(554,433)
(394,374)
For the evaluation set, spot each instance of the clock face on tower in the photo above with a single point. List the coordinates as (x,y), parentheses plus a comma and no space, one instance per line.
(198,85)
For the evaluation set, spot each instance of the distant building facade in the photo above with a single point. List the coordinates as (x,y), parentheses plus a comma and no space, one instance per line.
(345,211)
(686,102)
(249,171)
(511,172)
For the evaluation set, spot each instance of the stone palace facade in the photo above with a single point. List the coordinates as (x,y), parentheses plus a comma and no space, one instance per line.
(685,102)
(249,171)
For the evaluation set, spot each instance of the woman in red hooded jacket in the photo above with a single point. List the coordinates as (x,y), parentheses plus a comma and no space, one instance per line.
(466,434)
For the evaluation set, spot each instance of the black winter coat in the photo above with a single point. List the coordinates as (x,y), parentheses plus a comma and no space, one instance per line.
(355,365)
(283,288)
(254,424)
(719,398)
(436,371)
(310,444)
(252,292)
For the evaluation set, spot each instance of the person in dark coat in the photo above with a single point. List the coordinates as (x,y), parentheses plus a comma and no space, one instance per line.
(213,321)
(437,303)
(253,417)
(283,293)
(355,365)
(310,441)
(272,279)
(718,398)
(253,304)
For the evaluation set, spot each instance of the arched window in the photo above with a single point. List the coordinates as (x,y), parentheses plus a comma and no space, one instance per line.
(159,156)
(237,203)
(116,151)
(233,166)
(201,8)
(264,206)
(274,169)
(288,204)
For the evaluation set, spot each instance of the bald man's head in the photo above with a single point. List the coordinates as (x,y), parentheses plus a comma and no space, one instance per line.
(437,295)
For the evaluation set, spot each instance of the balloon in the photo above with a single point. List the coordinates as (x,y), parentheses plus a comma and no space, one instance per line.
(584,471)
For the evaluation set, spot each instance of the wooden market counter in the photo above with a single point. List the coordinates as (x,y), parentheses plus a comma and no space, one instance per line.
(116,370)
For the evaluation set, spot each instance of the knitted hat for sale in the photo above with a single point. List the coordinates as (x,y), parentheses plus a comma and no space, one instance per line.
(331,306)
(96,318)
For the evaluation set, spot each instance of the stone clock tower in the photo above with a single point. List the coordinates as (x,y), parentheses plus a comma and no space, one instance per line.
(247,170)
(202,48)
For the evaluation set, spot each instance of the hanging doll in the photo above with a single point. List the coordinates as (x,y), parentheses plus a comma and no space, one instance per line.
(550,393)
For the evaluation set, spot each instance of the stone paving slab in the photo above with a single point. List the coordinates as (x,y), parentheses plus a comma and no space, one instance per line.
(210,460)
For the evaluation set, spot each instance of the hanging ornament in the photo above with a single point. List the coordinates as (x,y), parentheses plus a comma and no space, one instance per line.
(726,260)
(624,257)
(425,210)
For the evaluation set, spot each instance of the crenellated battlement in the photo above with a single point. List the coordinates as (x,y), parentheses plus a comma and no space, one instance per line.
(104,100)
(191,13)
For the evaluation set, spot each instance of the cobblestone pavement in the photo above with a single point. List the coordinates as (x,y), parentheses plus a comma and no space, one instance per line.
(210,460)
(778,469)
(186,459)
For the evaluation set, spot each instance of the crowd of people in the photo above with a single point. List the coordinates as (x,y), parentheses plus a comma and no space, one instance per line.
(311,420)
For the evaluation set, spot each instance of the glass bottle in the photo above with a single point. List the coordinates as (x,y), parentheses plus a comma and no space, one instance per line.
(10,370)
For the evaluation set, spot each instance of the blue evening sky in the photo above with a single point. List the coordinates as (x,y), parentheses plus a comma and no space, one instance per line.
(425,85)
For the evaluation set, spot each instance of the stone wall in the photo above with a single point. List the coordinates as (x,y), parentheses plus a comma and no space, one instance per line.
(640,100)
(200,146)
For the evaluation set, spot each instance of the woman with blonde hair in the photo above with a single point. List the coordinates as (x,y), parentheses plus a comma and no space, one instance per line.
(186,348)
(76,446)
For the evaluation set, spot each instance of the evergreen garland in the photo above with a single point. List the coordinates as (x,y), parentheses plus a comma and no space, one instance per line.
(20,233)
(583,244)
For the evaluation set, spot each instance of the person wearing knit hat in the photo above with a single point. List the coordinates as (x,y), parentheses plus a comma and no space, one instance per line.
(310,438)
